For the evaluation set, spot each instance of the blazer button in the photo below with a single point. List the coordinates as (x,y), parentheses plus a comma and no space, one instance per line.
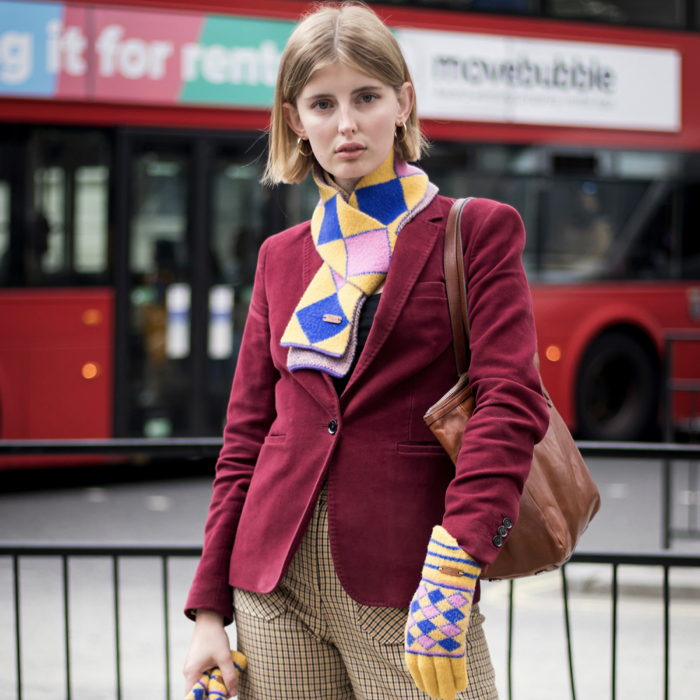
(508,523)
(333,427)
(502,530)
(497,540)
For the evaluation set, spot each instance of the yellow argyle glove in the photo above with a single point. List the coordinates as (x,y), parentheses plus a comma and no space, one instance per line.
(436,631)
(211,685)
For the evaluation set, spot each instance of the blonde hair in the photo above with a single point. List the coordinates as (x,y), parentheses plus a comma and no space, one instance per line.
(347,32)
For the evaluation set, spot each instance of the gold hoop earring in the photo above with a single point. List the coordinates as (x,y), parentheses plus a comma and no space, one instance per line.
(299,142)
(396,134)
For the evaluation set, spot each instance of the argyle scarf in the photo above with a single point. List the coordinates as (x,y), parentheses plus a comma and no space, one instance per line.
(355,236)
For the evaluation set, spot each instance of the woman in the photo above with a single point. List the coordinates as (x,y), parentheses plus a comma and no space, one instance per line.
(329,484)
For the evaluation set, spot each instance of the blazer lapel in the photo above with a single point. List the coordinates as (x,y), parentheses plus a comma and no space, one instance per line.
(413,246)
(318,384)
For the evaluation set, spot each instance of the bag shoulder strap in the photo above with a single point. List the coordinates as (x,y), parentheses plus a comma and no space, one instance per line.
(456,285)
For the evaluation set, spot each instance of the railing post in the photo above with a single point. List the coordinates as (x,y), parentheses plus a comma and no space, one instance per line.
(667,605)
(18,641)
(167,626)
(66,623)
(614,633)
(666,504)
(115,580)
(567,621)
(511,586)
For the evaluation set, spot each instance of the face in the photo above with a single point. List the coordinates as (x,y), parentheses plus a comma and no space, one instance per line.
(349,119)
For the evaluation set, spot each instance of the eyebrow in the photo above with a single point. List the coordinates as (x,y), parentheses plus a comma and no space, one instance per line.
(364,88)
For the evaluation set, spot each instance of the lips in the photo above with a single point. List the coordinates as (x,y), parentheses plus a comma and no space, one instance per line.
(350,151)
(350,148)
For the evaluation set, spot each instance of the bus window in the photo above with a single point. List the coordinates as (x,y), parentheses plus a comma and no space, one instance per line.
(668,245)
(91,192)
(61,239)
(507,174)
(160,295)
(690,245)
(239,203)
(48,242)
(670,13)
(584,219)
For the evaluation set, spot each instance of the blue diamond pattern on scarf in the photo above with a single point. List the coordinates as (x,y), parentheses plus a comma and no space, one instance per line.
(453,615)
(435,596)
(330,226)
(415,606)
(409,639)
(426,626)
(384,202)
(312,323)
(448,644)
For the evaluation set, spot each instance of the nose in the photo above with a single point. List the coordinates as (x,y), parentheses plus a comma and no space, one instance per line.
(346,122)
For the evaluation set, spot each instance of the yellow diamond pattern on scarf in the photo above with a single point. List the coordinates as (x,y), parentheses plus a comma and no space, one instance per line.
(355,236)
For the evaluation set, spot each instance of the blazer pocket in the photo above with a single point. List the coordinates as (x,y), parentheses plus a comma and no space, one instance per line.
(421,448)
(383,625)
(265,606)
(275,439)
(433,290)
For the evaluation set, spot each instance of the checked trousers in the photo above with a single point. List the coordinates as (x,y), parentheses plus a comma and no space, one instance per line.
(308,640)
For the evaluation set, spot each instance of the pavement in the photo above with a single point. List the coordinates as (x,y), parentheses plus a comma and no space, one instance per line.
(174,512)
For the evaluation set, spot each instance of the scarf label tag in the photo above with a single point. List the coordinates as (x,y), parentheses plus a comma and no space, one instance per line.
(330,318)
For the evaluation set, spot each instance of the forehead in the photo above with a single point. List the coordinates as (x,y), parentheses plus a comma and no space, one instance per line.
(338,77)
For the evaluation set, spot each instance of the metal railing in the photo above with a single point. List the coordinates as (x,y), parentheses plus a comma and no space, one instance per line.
(165,553)
(209,447)
(665,560)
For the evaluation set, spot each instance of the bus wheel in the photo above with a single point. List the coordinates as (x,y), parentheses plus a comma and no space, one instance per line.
(617,393)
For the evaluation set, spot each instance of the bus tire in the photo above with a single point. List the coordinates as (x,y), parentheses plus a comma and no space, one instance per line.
(617,391)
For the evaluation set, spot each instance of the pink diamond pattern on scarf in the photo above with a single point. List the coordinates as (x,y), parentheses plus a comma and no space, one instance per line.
(339,281)
(368,252)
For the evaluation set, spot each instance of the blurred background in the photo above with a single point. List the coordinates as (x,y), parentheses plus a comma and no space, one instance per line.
(132,140)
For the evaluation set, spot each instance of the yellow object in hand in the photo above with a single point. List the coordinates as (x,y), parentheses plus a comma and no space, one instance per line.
(211,685)
(436,631)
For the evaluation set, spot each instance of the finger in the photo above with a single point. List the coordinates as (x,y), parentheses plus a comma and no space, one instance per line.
(199,690)
(427,672)
(218,690)
(412,663)
(227,678)
(445,678)
(459,671)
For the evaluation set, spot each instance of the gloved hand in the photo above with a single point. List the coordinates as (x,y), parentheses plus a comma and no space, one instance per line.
(211,684)
(436,631)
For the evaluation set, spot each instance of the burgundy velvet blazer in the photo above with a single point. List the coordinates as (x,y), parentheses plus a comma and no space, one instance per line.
(389,481)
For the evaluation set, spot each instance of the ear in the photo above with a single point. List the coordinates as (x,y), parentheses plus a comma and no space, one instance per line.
(291,116)
(406,97)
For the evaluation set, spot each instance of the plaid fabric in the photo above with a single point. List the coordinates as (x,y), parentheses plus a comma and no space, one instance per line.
(308,640)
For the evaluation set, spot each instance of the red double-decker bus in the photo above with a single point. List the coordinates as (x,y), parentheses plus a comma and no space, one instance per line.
(131,146)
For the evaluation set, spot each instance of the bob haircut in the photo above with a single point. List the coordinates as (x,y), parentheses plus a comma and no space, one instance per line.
(350,33)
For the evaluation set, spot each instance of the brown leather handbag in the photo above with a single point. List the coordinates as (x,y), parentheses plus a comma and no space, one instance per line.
(560,497)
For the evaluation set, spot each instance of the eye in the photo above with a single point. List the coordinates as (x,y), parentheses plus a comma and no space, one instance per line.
(368,98)
(322,104)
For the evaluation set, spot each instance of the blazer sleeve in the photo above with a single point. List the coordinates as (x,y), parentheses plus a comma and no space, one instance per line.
(251,411)
(511,414)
